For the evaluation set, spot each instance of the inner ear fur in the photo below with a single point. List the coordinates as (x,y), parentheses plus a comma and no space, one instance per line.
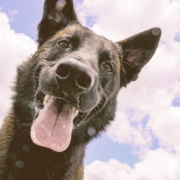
(137,51)
(55,18)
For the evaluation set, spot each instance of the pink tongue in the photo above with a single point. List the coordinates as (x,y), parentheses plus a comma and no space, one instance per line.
(52,129)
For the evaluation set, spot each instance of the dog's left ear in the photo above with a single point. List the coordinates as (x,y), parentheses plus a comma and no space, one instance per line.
(137,51)
(57,15)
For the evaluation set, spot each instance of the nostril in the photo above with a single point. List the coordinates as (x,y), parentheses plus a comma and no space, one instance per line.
(83,81)
(63,71)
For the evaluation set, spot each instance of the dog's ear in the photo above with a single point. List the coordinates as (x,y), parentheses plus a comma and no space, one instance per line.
(137,51)
(57,14)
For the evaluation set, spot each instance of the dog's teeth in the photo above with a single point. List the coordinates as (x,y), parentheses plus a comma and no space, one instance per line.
(46,99)
(76,112)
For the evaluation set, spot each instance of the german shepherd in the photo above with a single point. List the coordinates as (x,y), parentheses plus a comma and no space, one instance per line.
(65,95)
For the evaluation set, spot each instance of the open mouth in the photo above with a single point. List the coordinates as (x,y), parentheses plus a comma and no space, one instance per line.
(41,100)
(55,120)
(59,105)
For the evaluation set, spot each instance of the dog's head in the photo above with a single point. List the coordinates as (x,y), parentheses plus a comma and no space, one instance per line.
(78,73)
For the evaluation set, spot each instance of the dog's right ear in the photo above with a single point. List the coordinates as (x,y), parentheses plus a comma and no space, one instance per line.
(137,51)
(57,14)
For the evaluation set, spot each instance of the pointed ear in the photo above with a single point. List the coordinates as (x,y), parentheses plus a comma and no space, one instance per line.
(57,14)
(137,51)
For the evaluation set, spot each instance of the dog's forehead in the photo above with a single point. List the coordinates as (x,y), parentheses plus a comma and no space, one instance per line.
(87,36)
(97,45)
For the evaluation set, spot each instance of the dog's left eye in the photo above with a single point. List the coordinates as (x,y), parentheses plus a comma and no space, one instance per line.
(108,67)
(63,44)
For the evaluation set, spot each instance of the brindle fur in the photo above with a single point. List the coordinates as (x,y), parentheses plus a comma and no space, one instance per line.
(20,158)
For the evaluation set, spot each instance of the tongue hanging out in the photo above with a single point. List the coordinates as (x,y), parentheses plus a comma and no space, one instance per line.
(53,127)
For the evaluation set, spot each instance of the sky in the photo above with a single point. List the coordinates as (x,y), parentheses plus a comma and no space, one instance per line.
(142,143)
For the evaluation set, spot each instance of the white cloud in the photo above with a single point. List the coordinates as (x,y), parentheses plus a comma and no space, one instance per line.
(156,165)
(151,95)
(109,170)
(120,19)
(15,48)
(158,83)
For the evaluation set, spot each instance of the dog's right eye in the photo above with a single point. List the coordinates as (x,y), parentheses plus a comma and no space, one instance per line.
(63,44)
(108,67)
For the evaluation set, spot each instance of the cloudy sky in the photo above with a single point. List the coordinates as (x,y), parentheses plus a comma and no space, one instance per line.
(143,142)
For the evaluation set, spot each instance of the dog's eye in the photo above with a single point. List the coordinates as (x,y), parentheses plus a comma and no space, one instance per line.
(108,67)
(63,44)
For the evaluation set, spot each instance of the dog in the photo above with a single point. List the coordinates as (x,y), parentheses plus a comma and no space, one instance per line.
(65,95)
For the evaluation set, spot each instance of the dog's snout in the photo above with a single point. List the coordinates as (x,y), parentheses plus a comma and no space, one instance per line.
(73,75)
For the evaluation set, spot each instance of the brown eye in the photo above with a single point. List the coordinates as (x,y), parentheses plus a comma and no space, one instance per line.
(108,67)
(63,44)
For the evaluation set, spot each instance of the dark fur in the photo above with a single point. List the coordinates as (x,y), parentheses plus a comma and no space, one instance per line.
(20,159)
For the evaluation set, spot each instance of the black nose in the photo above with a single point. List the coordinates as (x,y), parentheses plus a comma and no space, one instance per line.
(63,71)
(74,75)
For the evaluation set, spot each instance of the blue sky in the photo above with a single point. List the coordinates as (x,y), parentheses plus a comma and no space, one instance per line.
(144,138)
(27,18)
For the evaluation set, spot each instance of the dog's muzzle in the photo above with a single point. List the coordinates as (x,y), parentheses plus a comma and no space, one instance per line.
(70,91)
